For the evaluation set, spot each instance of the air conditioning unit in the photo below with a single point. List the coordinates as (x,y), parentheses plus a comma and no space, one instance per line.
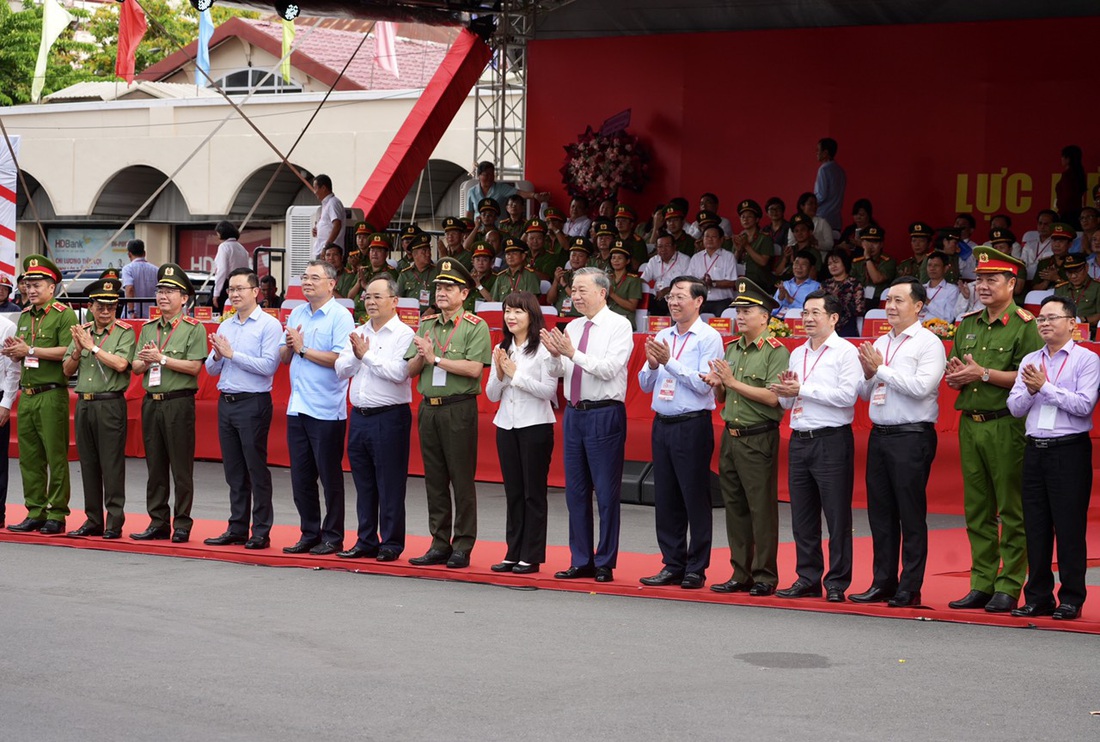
(299,236)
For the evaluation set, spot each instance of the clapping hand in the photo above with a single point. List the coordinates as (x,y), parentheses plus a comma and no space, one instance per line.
(359,345)
(425,348)
(222,347)
(505,365)
(1034,378)
(149,354)
(82,337)
(294,338)
(870,359)
(720,374)
(788,385)
(961,373)
(656,353)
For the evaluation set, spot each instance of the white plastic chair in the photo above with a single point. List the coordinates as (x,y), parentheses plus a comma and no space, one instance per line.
(291,303)
(875,314)
(641,320)
(549,311)
(544,287)
(404,302)
(730,313)
(488,306)
(868,292)
(349,303)
(792,313)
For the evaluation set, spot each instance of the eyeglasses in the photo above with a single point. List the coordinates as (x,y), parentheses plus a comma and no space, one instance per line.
(307,278)
(816,313)
(238,289)
(1046,319)
(167,292)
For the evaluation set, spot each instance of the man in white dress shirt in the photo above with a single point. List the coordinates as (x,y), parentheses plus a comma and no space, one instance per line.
(943,296)
(329,226)
(592,356)
(381,421)
(658,272)
(820,389)
(901,380)
(1036,243)
(677,358)
(717,269)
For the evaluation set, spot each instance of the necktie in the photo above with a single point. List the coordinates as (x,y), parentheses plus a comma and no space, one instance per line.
(575,381)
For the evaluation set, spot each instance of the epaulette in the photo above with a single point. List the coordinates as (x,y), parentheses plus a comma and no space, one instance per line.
(774,342)
(1060,284)
(86,325)
(191,320)
(472,318)
(1025,315)
(59,306)
(27,308)
(529,269)
(120,323)
(408,268)
(859,260)
(976,311)
(735,338)
(501,273)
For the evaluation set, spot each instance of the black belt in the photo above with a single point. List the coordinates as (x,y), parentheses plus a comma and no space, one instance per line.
(32,390)
(752,429)
(165,396)
(820,432)
(453,399)
(681,418)
(369,411)
(983,416)
(1062,440)
(242,396)
(586,405)
(97,396)
(903,428)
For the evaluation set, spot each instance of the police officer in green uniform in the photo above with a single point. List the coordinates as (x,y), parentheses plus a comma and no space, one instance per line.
(605,238)
(408,235)
(874,268)
(449,354)
(1052,271)
(626,287)
(377,248)
(920,239)
(482,275)
(1080,287)
(170,354)
(625,220)
(415,282)
(560,294)
(748,467)
(673,223)
(40,339)
(539,258)
(516,276)
(982,365)
(754,248)
(451,245)
(100,355)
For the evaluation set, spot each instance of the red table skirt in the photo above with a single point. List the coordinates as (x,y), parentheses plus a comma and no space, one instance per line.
(944,486)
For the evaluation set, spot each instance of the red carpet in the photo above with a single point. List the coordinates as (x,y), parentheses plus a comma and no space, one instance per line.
(947,576)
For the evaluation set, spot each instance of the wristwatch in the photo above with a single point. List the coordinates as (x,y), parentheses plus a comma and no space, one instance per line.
(438,360)
(96,349)
(985,374)
(164,360)
(302,352)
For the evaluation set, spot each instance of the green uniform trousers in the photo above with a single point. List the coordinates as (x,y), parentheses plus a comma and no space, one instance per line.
(448,446)
(748,475)
(168,429)
(100,427)
(43,431)
(992,456)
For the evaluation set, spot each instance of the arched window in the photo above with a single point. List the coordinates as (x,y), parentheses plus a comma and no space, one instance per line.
(242,82)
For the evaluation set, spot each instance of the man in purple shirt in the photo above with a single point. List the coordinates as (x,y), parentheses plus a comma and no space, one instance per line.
(1056,390)
(830,184)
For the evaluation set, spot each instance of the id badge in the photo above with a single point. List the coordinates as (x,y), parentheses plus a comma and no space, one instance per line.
(30,362)
(667,390)
(796,411)
(154,375)
(1047,414)
(567,305)
(878,396)
(439,376)
(425,296)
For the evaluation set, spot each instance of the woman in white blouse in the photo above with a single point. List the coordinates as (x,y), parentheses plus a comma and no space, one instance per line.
(520,380)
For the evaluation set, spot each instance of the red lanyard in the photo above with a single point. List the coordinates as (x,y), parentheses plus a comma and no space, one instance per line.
(686,337)
(620,283)
(444,346)
(515,282)
(932,298)
(717,254)
(665,269)
(160,347)
(1060,369)
(806,374)
(889,344)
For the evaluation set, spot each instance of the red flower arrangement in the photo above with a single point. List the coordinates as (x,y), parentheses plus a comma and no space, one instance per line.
(597,166)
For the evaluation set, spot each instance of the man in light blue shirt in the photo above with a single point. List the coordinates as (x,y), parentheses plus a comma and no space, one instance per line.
(683,434)
(792,294)
(139,279)
(245,355)
(317,412)
(830,184)
(488,187)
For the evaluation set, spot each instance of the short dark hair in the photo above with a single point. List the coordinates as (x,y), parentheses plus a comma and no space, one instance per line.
(865,204)
(485,165)
(807,255)
(136,247)
(940,256)
(662,234)
(1007,219)
(832,303)
(515,197)
(968,217)
(775,201)
(253,281)
(270,279)
(1050,212)
(844,258)
(322,180)
(1068,304)
(529,303)
(916,288)
(1095,212)
(698,288)
(226,230)
(828,144)
(714,226)
(804,198)
(711,196)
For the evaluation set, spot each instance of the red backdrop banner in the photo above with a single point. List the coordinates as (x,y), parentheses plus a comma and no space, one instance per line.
(930,119)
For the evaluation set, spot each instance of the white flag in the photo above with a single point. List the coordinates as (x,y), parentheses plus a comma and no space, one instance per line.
(385,51)
(54,20)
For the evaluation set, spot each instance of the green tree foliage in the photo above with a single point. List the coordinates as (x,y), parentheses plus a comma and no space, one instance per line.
(20,36)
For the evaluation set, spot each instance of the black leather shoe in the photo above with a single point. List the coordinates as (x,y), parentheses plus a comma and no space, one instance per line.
(28,524)
(431,558)
(873,595)
(181,537)
(733,586)
(834,595)
(152,534)
(902,599)
(301,547)
(358,552)
(762,589)
(800,590)
(258,542)
(1067,612)
(52,527)
(693,581)
(973,599)
(574,573)
(504,567)
(603,574)
(459,560)
(110,535)
(525,569)
(86,530)
(1032,610)
(226,539)
(1000,603)
(387,555)
(325,549)
(664,577)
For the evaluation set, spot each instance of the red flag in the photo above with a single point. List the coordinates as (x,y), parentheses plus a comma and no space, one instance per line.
(131,27)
